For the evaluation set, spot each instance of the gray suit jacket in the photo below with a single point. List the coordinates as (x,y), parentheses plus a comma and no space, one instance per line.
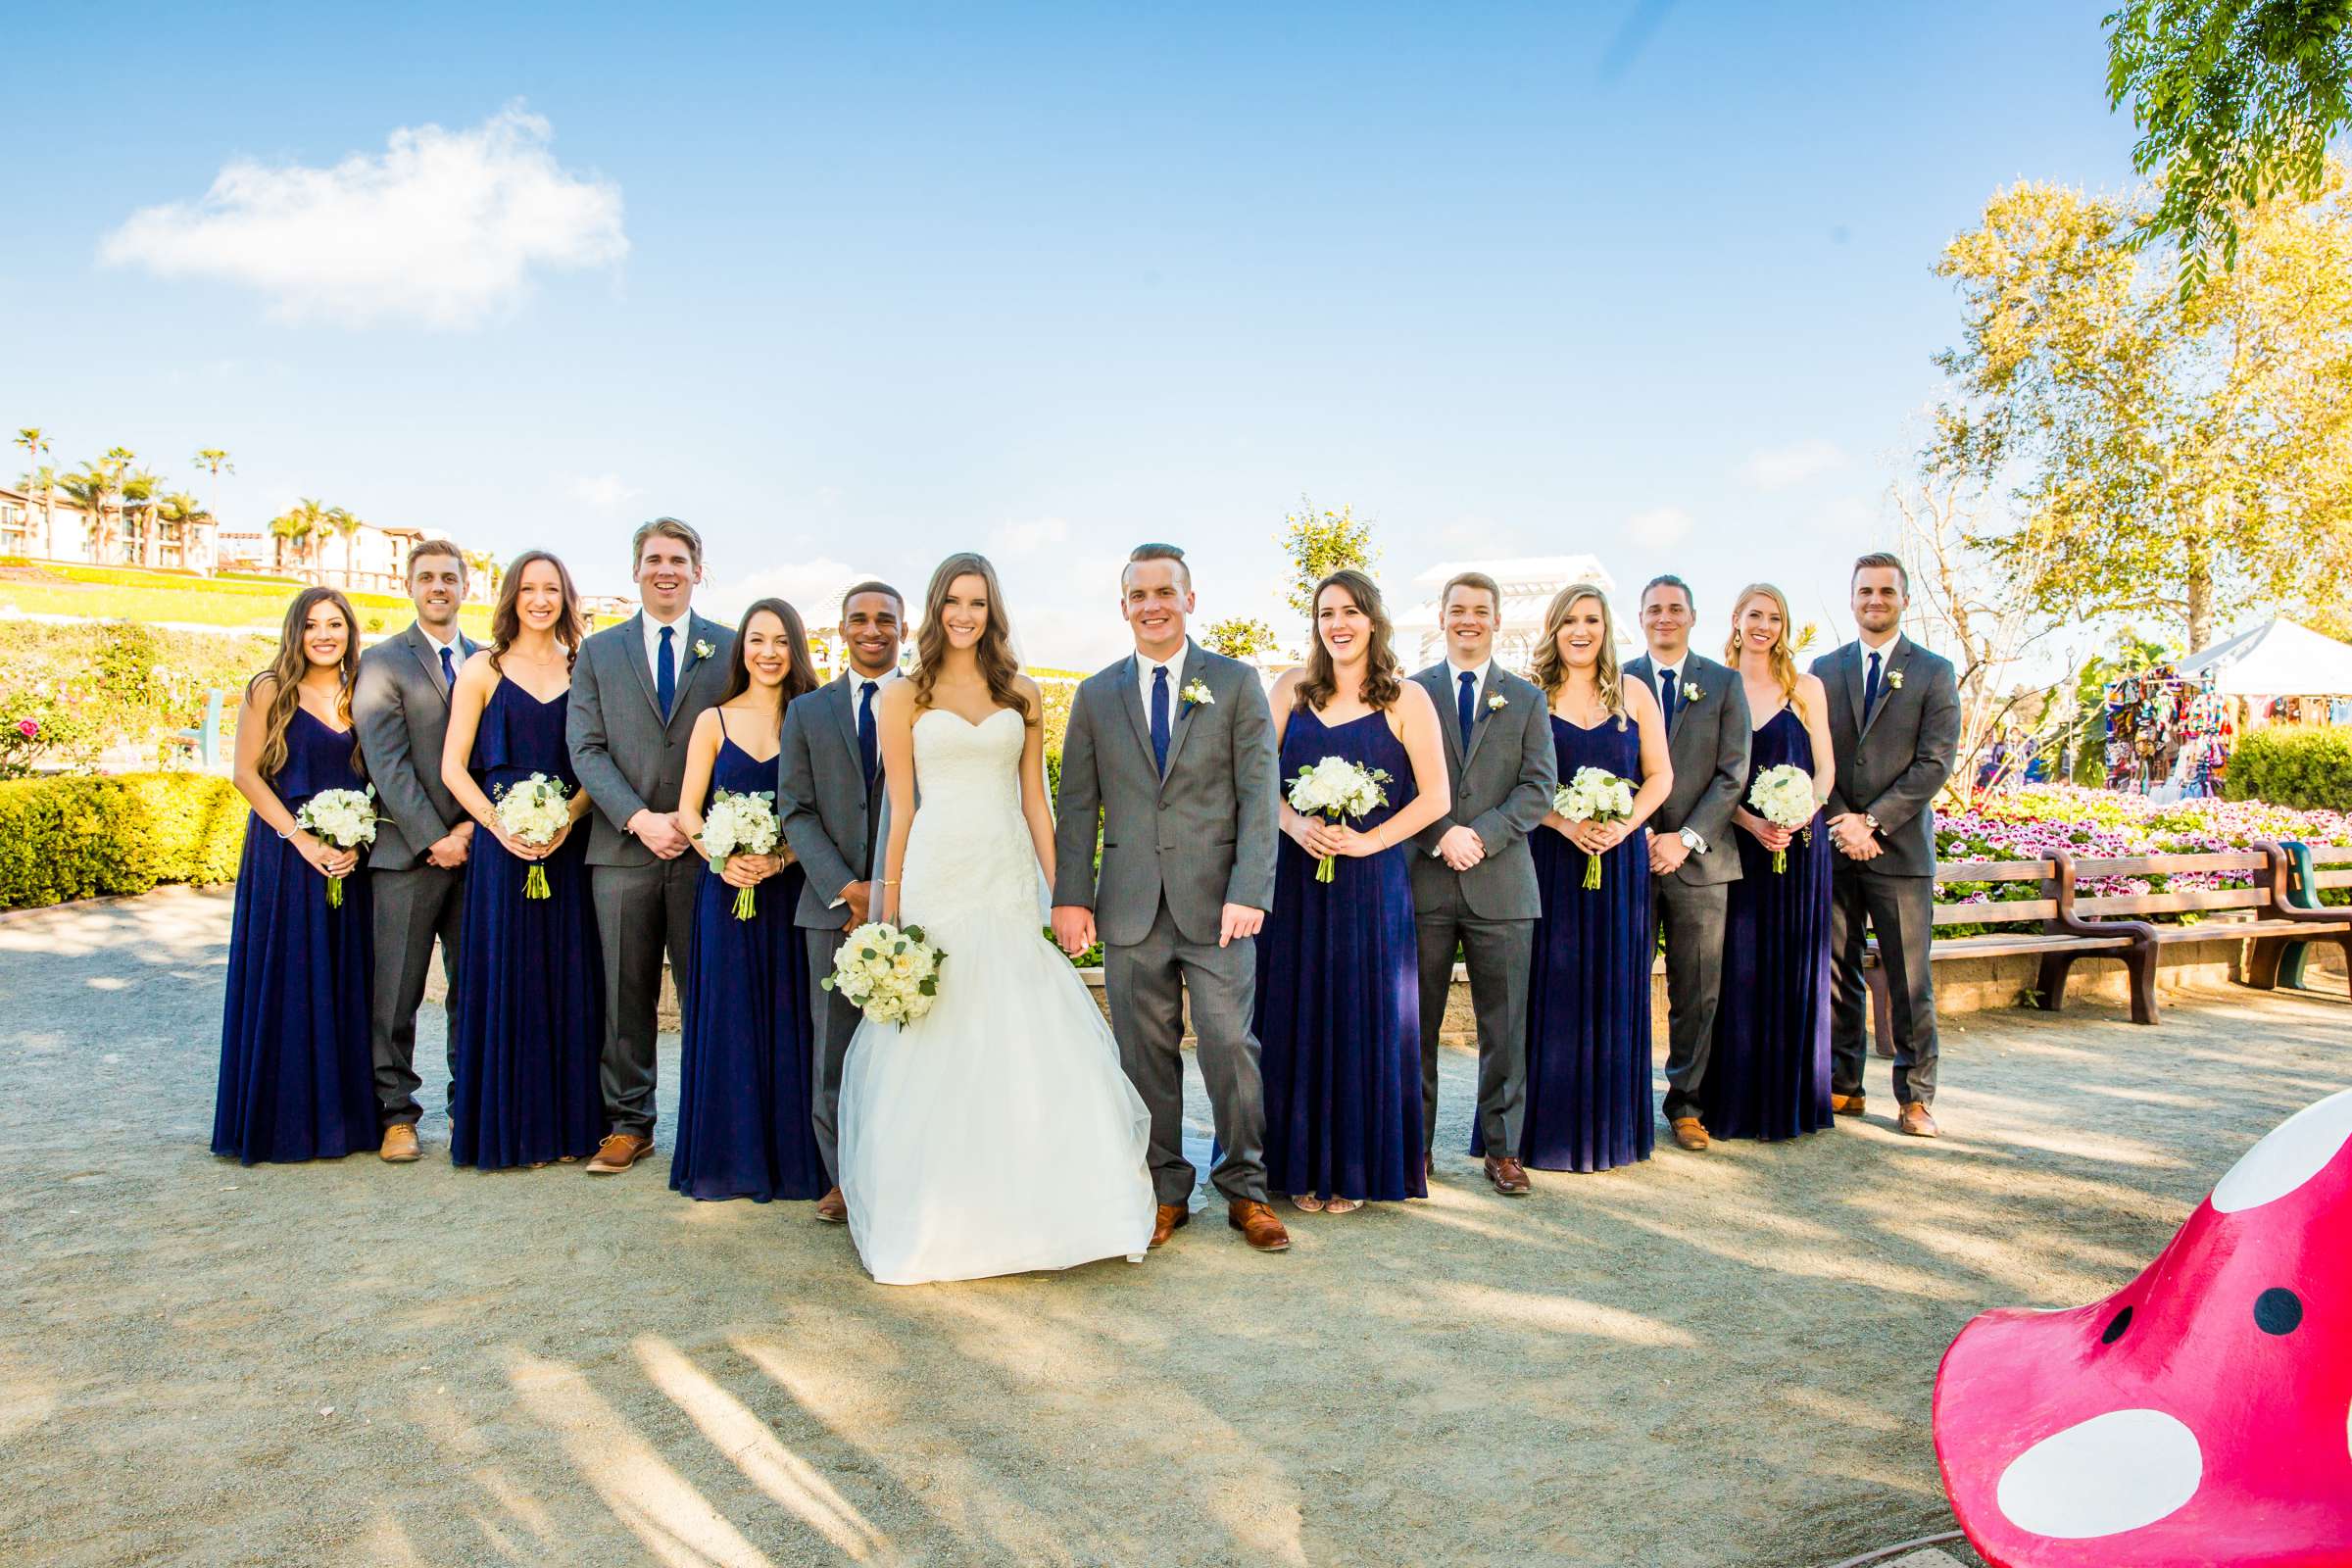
(1502,789)
(1708,743)
(832,822)
(402,711)
(626,757)
(1201,837)
(1893,765)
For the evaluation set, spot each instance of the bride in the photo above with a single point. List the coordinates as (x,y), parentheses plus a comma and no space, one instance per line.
(997,1133)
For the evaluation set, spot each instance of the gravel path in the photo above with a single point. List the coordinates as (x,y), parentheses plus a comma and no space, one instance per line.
(1710,1359)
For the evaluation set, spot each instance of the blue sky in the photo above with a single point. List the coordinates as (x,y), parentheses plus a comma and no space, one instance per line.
(851,287)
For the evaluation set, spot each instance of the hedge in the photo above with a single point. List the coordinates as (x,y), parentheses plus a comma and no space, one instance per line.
(78,837)
(2308,766)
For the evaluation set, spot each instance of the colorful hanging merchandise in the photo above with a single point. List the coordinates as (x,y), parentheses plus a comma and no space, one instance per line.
(2169,734)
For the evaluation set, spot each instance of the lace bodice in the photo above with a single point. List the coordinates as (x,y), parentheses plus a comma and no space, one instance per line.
(969,858)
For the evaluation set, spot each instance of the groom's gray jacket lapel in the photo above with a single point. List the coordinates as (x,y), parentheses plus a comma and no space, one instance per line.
(401,710)
(833,822)
(1201,837)
(1502,784)
(625,756)
(1708,744)
(1891,762)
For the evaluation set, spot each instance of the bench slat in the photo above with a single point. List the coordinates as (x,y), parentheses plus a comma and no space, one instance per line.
(2176,902)
(1996,946)
(1993,871)
(2333,879)
(2002,913)
(2232,930)
(2153,865)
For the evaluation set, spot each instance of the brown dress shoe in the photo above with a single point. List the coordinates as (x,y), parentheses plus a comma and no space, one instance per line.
(1508,1177)
(1258,1225)
(1689,1133)
(833,1208)
(1168,1220)
(1916,1121)
(400,1144)
(1845,1104)
(617,1152)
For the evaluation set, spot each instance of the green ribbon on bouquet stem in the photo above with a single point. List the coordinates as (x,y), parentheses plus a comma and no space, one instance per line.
(1591,869)
(744,905)
(1328,868)
(335,893)
(534,885)
(1780,861)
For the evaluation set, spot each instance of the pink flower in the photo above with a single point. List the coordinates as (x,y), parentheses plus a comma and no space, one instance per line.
(29,728)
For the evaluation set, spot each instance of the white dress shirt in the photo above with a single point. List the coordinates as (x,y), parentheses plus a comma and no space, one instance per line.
(1175,668)
(456,646)
(1689,836)
(1454,673)
(678,646)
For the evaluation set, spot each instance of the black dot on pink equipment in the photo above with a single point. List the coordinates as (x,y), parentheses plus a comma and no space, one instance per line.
(2277,1310)
(2116,1326)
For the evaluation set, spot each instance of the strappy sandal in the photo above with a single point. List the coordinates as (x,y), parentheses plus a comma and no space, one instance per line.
(1341,1205)
(1307,1202)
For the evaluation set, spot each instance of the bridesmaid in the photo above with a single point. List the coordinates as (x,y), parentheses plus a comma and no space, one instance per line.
(529,1018)
(295,1065)
(1339,1008)
(1770,1072)
(745,1128)
(1587,991)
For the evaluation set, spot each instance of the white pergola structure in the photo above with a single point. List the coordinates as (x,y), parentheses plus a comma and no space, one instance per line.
(1528,585)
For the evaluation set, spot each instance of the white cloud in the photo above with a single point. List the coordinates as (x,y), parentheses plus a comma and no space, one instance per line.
(1026,538)
(443,229)
(606,492)
(809,586)
(1780,468)
(1658,529)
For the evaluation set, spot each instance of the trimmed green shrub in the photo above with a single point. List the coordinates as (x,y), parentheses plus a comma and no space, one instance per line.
(2308,766)
(80,837)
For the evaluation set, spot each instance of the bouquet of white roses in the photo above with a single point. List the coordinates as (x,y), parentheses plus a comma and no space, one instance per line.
(344,819)
(1594,795)
(1784,797)
(740,824)
(890,974)
(536,810)
(1337,788)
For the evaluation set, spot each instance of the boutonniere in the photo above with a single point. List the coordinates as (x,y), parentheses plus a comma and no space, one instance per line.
(1894,679)
(702,649)
(1691,692)
(1196,694)
(1497,702)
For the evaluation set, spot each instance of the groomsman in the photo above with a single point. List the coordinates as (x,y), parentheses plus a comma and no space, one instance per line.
(1895,730)
(1170,756)
(1474,877)
(400,705)
(829,791)
(636,691)
(1693,860)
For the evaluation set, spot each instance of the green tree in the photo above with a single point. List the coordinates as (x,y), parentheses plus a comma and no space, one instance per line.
(2235,101)
(299,529)
(487,566)
(138,516)
(97,488)
(1320,543)
(2168,455)
(342,522)
(180,514)
(43,478)
(1242,637)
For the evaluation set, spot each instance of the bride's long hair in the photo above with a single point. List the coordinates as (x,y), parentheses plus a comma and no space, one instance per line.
(994,652)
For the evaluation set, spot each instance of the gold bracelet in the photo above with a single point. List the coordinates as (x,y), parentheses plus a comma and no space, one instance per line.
(890,882)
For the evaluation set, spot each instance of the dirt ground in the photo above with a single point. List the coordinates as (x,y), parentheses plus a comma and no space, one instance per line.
(1706,1360)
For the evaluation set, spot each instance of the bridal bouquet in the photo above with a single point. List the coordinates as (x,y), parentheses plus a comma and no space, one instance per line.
(536,810)
(890,974)
(1594,795)
(1784,797)
(1337,788)
(344,819)
(741,824)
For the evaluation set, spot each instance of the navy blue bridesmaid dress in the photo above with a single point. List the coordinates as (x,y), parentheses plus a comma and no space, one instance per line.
(1588,987)
(297,1079)
(1339,996)
(530,1010)
(1769,1075)
(744,1127)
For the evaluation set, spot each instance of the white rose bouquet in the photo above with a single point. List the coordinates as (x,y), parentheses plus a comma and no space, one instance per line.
(741,824)
(344,819)
(1784,797)
(1594,795)
(536,810)
(890,974)
(1337,788)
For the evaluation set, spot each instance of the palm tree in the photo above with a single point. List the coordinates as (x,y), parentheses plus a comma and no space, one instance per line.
(342,521)
(488,567)
(183,513)
(36,441)
(300,527)
(97,487)
(215,461)
(138,514)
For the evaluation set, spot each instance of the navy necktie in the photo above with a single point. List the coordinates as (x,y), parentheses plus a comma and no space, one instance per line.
(665,676)
(867,754)
(1870,688)
(1667,693)
(449,670)
(1462,708)
(1159,717)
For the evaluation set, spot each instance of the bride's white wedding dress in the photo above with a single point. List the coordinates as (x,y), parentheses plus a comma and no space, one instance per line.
(997,1133)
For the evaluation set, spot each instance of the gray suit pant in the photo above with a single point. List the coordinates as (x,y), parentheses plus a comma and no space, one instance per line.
(412,908)
(836,1020)
(641,912)
(1692,915)
(1146,982)
(1901,911)
(1498,955)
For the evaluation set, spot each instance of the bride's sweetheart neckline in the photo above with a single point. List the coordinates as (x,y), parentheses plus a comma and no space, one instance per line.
(965,723)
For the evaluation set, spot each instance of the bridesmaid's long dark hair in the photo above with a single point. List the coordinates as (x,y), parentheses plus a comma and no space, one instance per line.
(505,621)
(1384,676)
(993,652)
(292,663)
(800,672)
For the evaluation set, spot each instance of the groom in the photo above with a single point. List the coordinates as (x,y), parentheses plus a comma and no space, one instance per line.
(1171,754)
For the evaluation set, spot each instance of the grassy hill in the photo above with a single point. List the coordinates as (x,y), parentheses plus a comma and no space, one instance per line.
(137,592)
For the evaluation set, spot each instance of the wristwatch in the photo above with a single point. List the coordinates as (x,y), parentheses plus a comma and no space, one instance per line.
(1869,822)
(1692,842)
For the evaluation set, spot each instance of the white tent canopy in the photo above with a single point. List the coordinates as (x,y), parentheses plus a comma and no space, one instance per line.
(2279,658)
